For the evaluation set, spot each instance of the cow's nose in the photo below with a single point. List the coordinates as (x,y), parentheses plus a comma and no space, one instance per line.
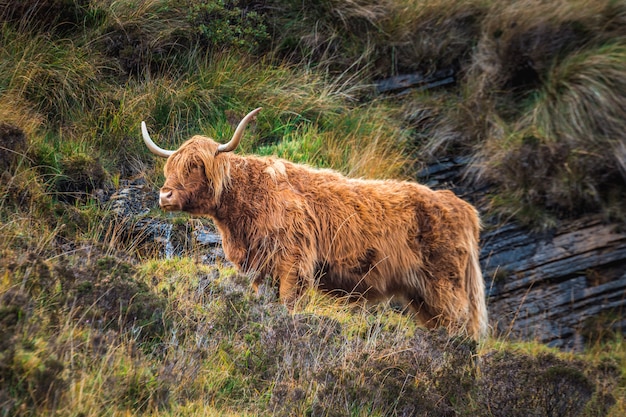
(165,197)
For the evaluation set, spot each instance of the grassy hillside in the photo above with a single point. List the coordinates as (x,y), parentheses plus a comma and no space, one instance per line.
(92,325)
(87,333)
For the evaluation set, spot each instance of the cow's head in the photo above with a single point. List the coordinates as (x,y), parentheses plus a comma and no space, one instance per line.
(194,174)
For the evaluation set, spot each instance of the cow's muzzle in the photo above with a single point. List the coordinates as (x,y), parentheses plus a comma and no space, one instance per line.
(167,201)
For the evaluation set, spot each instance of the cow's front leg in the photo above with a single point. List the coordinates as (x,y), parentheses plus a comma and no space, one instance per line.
(288,290)
(235,253)
(289,282)
(239,257)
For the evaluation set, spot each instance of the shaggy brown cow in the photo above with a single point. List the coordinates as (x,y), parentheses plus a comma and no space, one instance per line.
(313,227)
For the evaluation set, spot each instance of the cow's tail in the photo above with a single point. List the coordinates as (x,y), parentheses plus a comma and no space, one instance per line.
(477,325)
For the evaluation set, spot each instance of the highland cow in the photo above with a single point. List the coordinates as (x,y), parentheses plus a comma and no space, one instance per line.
(301,226)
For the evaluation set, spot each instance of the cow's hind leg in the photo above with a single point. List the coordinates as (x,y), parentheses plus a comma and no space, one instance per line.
(287,289)
(437,311)
(423,313)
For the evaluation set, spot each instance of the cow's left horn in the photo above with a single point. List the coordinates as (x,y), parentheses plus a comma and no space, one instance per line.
(230,146)
(151,145)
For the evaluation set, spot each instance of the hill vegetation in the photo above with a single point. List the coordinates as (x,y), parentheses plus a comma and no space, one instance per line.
(90,324)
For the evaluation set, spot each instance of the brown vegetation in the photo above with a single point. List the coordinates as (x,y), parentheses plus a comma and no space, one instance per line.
(120,337)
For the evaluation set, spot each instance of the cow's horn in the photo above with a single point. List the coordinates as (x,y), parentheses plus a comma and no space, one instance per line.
(230,146)
(151,145)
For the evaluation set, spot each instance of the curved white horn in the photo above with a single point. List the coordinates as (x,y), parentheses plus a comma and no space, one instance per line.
(151,145)
(230,146)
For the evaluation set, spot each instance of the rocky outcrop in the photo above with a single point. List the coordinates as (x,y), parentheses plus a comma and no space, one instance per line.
(563,288)
(135,207)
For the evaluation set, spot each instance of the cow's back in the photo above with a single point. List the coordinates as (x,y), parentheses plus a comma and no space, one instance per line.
(375,235)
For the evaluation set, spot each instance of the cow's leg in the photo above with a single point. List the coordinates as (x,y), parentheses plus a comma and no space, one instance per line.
(293,277)
(288,291)
(234,252)
(289,282)
(423,313)
(440,309)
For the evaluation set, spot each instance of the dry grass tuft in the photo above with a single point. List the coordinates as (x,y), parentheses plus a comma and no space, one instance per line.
(385,38)
(147,36)
(565,153)
(55,77)
(521,41)
(16,112)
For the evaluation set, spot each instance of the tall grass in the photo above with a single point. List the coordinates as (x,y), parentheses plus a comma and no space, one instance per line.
(370,149)
(382,38)
(56,77)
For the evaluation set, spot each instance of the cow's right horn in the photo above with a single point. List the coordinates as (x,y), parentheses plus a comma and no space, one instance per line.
(151,145)
(232,144)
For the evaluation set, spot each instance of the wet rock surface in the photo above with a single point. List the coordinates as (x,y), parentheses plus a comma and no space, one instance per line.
(136,207)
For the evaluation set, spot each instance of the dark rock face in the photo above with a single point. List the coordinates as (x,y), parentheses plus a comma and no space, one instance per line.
(552,288)
(134,198)
(562,288)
